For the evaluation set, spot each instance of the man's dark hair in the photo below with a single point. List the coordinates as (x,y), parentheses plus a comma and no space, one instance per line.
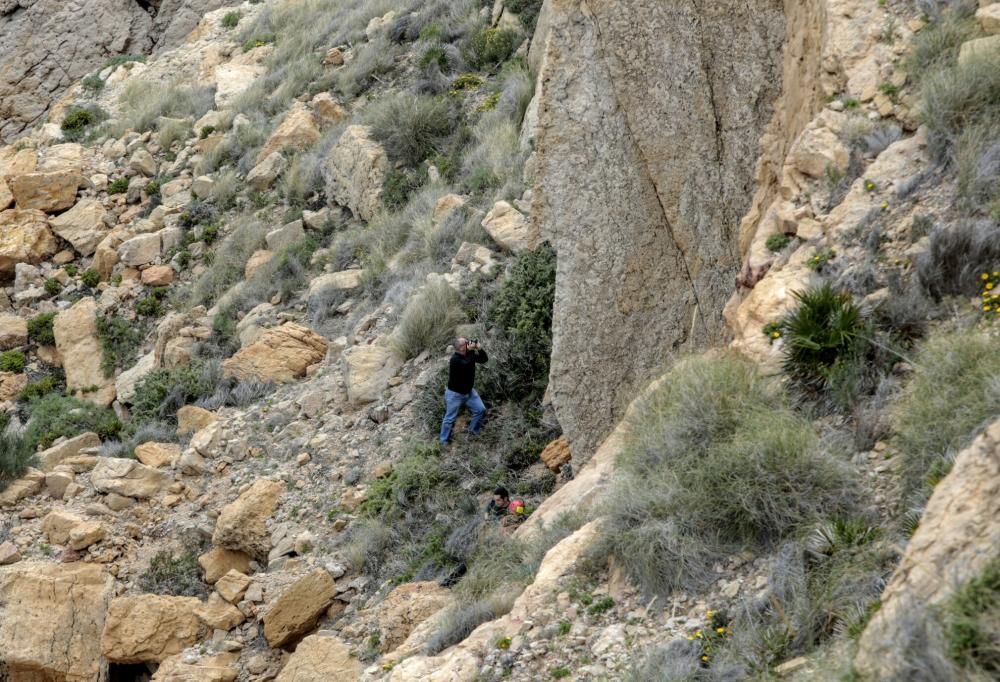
(501,491)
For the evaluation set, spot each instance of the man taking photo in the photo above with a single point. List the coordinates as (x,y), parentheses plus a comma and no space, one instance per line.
(459,393)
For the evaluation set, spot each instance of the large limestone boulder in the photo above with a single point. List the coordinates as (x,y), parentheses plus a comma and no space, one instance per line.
(296,131)
(242,524)
(232,79)
(958,536)
(355,171)
(77,342)
(818,151)
(48,192)
(149,627)
(51,619)
(49,459)
(82,226)
(127,382)
(367,370)
(280,354)
(510,229)
(11,385)
(319,658)
(989,18)
(297,610)
(24,238)
(285,236)
(6,196)
(218,562)
(406,607)
(29,484)
(140,250)
(345,279)
(13,331)
(971,50)
(157,455)
(263,175)
(127,477)
(192,418)
(645,222)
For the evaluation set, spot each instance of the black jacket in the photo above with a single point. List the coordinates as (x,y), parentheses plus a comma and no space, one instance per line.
(462,370)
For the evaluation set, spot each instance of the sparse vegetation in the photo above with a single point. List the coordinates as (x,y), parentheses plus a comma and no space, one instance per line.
(144,102)
(162,392)
(40,329)
(174,574)
(231,19)
(490,47)
(777,242)
(53,416)
(970,624)
(120,340)
(78,121)
(411,127)
(717,462)
(16,452)
(118,186)
(429,320)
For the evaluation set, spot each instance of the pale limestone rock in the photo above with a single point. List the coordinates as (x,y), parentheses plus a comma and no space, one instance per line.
(281,354)
(316,220)
(232,586)
(51,618)
(85,534)
(106,256)
(206,440)
(56,483)
(958,536)
(367,370)
(127,477)
(202,186)
(242,524)
(48,192)
(29,484)
(57,524)
(444,206)
(219,614)
(218,561)
(355,171)
(256,261)
(24,238)
(327,110)
(49,459)
(180,668)
(816,150)
(6,196)
(510,229)
(232,79)
(319,658)
(140,250)
(82,226)
(980,48)
(345,279)
(296,131)
(296,610)
(13,331)
(9,554)
(143,162)
(78,344)
(150,628)
(125,384)
(157,455)
(556,454)
(285,236)
(157,276)
(406,607)
(11,385)
(334,57)
(263,175)
(191,419)
(378,24)
(988,17)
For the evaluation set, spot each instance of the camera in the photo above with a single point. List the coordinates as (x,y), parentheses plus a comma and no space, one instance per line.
(474,342)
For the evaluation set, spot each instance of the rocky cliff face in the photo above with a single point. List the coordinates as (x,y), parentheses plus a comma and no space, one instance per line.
(47,45)
(649,127)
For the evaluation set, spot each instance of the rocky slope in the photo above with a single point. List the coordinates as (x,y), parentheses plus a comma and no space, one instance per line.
(220,381)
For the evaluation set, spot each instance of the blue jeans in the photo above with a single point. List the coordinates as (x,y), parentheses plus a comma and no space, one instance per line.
(456,401)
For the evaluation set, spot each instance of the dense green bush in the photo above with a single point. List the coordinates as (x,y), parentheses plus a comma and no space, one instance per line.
(526,10)
(79,120)
(231,19)
(90,277)
(40,329)
(411,127)
(54,416)
(490,47)
(12,361)
(152,305)
(53,286)
(777,242)
(120,341)
(39,388)
(428,321)
(178,576)
(118,186)
(716,462)
(952,395)
(162,392)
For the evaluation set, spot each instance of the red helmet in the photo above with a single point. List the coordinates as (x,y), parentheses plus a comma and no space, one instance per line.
(516,507)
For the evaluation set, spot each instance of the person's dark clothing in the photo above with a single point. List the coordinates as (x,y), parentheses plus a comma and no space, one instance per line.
(462,370)
(494,509)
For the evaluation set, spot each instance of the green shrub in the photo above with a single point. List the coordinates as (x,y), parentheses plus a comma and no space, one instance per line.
(90,277)
(429,320)
(411,127)
(956,99)
(120,340)
(12,361)
(259,40)
(823,333)
(16,453)
(399,185)
(92,83)
(53,286)
(937,45)
(79,120)
(490,47)
(231,19)
(716,462)
(971,619)
(777,242)
(71,270)
(38,389)
(206,131)
(118,186)
(40,329)
(152,305)
(162,392)
(951,396)
(178,576)
(526,10)
(54,416)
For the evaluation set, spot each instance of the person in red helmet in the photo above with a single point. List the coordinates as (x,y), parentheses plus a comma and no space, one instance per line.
(508,512)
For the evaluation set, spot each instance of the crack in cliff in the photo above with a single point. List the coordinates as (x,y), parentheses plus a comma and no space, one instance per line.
(646,166)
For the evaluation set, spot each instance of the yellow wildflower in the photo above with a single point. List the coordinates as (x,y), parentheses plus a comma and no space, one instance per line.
(989,285)
(986,309)
(697,633)
(720,630)
(996,273)
(709,614)
(690,638)
(985,276)
(704,658)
